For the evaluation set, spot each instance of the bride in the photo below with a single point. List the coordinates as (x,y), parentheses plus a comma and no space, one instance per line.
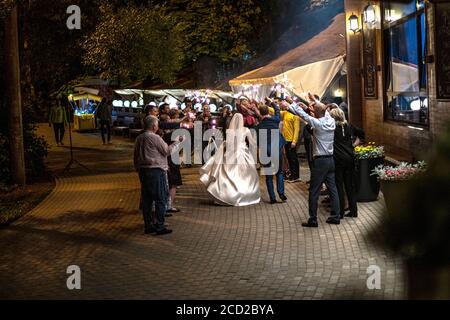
(230,175)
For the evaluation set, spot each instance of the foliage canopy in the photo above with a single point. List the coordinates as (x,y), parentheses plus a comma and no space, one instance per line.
(135,42)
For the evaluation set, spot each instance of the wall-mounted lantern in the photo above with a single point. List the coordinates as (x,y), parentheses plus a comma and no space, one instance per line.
(370,15)
(354,23)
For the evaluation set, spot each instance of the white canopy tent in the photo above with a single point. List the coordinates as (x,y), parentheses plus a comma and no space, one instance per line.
(178,94)
(85,96)
(310,67)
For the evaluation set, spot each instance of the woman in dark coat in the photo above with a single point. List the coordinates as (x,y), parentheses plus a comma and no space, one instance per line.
(225,120)
(174,174)
(344,159)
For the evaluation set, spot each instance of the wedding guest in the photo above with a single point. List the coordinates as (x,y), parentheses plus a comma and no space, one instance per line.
(332,106)
(150,160)
(344,159)
(225,119)
(164,108)
(174,115)
(205,117)
(188,104)
(291,131)
(342,105)
(323,164)
(188,107)
(227,115)
(272,122)
(244,107)
(173,174)
(151,110)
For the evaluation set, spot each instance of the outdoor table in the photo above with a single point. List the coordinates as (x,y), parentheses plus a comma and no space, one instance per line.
(120,130)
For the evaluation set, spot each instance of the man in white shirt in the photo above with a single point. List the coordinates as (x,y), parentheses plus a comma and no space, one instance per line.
(323,170)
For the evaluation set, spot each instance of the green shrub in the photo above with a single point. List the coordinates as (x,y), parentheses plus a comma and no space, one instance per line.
(35,148)
(4,159)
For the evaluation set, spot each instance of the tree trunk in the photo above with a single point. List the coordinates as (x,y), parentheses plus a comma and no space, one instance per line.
(12,72)
(28,92)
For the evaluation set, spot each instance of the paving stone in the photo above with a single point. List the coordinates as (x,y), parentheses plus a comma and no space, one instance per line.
(92,220)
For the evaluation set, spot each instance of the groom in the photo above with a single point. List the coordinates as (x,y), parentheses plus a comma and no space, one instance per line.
(269,123)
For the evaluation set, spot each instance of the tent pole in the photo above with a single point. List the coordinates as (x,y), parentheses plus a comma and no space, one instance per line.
(172,96)
(217,95)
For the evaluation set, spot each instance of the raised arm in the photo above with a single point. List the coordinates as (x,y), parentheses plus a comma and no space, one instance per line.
(277,115)
(169,125)
(298,109)
(256,111)
(164,148)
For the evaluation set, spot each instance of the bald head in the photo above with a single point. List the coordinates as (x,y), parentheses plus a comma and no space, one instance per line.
(319,109)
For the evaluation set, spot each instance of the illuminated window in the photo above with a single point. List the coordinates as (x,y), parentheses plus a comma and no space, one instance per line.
(405,38)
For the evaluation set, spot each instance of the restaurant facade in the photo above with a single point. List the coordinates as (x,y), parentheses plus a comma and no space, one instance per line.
(398,72)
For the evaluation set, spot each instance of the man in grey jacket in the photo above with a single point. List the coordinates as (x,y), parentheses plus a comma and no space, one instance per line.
(323,169)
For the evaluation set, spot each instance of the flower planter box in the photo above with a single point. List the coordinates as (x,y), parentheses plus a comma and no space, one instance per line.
(367,185)
(389,189)
(395,179)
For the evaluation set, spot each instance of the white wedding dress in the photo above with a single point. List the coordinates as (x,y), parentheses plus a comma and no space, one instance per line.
(230,175)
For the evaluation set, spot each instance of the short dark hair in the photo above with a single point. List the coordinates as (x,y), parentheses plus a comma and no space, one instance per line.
(173,112)
(149,108)
(264,110)
(161,107)
(164,117)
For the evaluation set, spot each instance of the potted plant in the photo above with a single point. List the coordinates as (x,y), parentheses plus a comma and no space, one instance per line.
(393,178)
(418,230)
(367,159)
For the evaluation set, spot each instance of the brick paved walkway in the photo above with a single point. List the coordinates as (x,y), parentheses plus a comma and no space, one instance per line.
(258,252)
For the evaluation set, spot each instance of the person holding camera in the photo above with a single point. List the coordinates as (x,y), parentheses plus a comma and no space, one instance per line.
(225,119)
